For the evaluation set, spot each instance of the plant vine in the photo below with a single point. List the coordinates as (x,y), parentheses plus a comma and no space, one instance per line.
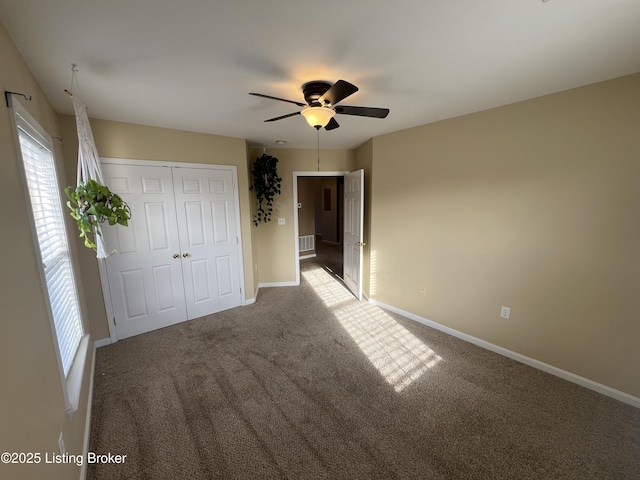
(92,204)
(266,184)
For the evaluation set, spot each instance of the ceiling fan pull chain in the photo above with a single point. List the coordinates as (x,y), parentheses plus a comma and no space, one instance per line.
(318,131)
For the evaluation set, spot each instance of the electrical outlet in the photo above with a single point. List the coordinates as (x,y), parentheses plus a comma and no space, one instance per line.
(63,450)
(423,290)
(505,312)
(281,221)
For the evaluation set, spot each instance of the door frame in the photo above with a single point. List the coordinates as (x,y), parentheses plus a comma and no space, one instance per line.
(102,269)
(296,232)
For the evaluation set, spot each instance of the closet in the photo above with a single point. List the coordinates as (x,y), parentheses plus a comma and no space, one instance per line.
(180,257)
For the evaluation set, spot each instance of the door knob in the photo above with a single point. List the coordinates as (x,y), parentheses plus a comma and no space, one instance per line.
(176,255)
(185,254)
(360,244)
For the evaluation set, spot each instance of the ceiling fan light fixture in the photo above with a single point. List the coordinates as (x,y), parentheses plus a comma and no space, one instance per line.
(318,117)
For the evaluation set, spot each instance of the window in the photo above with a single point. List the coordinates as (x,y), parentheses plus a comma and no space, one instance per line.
(57,270)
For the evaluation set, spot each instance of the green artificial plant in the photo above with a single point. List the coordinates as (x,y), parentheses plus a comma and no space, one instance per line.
(266,184)
(92,204)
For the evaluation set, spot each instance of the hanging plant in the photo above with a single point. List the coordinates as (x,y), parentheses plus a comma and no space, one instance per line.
(92,204)
(266,184)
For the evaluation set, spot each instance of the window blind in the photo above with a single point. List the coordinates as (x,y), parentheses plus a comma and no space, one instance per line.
(43,189)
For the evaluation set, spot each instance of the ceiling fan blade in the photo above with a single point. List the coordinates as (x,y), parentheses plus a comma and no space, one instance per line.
(300,104)
(363,111)
(337,92)
(332,124)
(283,116)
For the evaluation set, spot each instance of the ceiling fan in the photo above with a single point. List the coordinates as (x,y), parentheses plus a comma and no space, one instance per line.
(322,99)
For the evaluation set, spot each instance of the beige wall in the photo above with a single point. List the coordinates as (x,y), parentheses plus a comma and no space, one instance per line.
(533,206)
(124,140)
(251,262)
(32,412)
(276,248)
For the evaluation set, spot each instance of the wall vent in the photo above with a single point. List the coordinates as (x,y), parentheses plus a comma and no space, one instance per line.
(306,243)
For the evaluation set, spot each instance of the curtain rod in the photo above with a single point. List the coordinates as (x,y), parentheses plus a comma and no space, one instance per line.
(7,93)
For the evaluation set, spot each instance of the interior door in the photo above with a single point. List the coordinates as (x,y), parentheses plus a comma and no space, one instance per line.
(205,200)
(353,231)
(145,273)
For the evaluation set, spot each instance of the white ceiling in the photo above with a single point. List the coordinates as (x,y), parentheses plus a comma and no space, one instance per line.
(189,64)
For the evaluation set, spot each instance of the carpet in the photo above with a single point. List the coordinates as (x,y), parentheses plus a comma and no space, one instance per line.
(308,383)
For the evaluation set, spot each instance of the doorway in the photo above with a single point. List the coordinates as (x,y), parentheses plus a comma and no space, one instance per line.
(319,219)
(321,215)
(353,227)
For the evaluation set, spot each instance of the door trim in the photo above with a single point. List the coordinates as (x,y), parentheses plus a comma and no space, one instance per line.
(102,270)
(310,173)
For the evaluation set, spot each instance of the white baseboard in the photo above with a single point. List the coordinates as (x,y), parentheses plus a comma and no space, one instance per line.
(103,342)
(311,255)
(249,301)
(545,367)
(278,284)
(87,424)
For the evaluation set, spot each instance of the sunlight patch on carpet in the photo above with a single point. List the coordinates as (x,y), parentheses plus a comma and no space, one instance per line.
(328,288)
(399,356)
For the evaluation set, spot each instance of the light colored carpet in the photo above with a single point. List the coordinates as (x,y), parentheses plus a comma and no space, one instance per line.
(307,383)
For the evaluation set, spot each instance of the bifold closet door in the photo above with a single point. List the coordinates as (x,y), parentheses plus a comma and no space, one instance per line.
(179,257)
(145,274)
(206,212)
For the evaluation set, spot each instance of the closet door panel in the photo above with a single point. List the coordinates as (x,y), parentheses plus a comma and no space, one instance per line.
(195,234)
(145,280)
(208,238)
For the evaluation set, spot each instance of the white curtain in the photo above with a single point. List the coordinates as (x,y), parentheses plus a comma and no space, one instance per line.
(88,161)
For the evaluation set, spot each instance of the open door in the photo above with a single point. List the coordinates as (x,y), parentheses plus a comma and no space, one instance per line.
(353,231)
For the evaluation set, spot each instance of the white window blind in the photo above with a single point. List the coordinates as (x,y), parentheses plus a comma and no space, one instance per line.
(45,198)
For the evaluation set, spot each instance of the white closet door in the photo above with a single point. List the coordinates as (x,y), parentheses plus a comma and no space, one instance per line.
(145,273)
(205,203)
